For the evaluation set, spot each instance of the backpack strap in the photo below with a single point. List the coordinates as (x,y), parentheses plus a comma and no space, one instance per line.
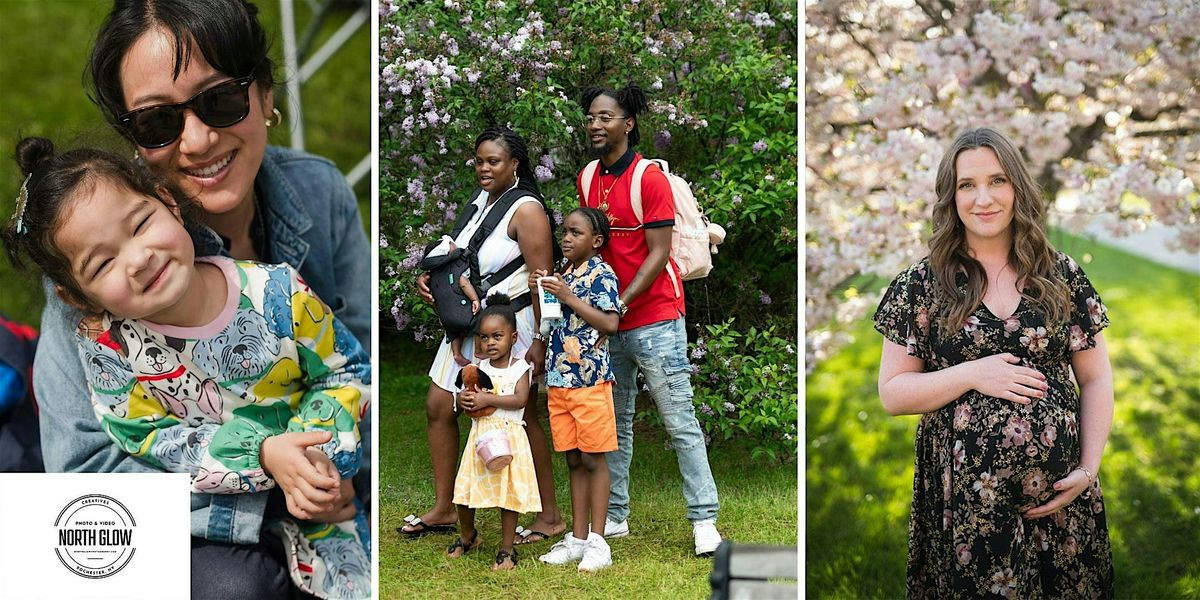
(635,200)
(585,180)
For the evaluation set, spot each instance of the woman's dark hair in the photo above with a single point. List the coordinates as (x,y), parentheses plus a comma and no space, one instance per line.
(52,183)
(498,305)
(226,32)
(597,220)
(630,98)
(516,147)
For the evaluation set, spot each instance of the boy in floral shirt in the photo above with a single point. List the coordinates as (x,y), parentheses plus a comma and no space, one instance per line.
(579,383)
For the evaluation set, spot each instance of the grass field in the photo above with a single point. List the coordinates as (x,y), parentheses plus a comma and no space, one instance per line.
(758,505)
(860,461)
(45,46)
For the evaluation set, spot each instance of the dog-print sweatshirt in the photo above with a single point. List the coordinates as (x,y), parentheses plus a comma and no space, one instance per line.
(201,400)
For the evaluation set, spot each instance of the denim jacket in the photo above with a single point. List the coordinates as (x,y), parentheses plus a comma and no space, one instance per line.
(314,225)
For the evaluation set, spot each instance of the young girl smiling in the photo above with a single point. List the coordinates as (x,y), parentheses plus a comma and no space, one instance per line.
(233,372)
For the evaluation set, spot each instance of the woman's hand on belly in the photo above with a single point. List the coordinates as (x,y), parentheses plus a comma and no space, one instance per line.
(1002,376)
(1068,488)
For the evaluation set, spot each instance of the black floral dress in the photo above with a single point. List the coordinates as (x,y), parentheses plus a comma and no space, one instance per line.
(981,461)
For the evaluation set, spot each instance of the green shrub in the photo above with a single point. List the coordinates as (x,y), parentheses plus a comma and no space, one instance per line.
(745,388)
(721,77)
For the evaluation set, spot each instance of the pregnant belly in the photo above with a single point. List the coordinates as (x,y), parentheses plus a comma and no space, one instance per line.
(1011,454)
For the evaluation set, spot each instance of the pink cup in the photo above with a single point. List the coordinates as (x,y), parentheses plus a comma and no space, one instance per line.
(494,449)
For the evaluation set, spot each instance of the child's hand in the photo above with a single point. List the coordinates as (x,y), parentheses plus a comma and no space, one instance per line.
(475,399)
(474,306)
(555,285)
(343,507)
(284,457)
(533,277)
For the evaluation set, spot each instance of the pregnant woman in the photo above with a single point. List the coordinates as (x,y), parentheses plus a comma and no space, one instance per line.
(982,339)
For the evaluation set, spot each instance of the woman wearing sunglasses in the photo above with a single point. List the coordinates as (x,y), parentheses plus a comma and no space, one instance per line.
(189,83)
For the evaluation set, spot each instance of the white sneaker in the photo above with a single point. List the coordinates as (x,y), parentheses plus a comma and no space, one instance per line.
(707,537)
(567,550)
(596,554)
(613,530)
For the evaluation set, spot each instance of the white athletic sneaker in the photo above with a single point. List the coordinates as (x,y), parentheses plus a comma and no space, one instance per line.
(596,554)
(707,537)
(613,530)
(567,550)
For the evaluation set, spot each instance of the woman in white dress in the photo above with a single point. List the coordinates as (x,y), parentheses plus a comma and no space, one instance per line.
(501,163)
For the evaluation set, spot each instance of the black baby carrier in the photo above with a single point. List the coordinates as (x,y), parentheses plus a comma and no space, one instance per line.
(451,304)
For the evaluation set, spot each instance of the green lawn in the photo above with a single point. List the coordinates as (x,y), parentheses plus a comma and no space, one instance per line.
(45,46)
(758,505)
(860,461)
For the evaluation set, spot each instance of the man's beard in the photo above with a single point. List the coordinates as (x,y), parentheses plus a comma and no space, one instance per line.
(595,152)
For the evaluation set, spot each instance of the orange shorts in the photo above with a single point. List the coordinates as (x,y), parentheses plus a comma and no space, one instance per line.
(582,418)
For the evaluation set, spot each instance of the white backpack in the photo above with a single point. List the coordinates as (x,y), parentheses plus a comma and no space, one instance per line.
(693,239)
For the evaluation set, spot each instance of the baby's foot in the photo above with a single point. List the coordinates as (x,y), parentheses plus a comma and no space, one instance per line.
(461,360)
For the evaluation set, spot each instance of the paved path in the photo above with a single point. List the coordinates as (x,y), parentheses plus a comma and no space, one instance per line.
(1151,244)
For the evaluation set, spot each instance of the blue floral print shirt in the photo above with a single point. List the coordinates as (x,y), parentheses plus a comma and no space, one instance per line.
(578,358)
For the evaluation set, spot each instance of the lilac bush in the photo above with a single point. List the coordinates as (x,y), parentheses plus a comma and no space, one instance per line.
(721,81)
(721,78)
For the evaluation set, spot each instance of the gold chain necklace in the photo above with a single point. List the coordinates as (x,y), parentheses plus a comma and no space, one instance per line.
(604,194)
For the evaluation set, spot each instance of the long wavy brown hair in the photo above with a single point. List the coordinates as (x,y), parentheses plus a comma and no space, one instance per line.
(1031,254)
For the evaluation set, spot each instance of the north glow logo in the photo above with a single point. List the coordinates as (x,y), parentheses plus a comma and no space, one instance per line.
(95,536)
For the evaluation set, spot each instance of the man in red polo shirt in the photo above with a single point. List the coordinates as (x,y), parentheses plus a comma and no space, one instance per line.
(651,335)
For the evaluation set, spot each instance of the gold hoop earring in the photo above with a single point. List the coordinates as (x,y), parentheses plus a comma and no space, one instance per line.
(275,119)
(136,156)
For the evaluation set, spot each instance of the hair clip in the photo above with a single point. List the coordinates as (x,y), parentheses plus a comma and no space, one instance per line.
(22,200)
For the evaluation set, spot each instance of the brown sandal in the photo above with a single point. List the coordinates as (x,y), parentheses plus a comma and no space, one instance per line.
(464,546)
(503,556)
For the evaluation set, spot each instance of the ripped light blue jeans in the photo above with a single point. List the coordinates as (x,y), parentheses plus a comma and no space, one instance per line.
(659,350)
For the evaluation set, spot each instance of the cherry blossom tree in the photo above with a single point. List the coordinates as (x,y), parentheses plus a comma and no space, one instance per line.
(1100,95)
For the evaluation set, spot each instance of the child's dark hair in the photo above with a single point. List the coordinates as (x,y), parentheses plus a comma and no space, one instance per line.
(51,184)
(597,220)
(630,98)
(515,144)
(498,305)
(226,32)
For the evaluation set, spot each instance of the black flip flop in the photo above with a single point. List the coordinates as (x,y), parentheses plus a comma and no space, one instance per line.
(421,528)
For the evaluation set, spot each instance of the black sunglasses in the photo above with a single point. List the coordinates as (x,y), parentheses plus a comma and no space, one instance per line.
(221,105)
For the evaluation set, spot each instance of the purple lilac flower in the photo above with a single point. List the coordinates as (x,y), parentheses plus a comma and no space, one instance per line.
(417,160)
(737,199)
(546,161)
(543,174)
(698,352)
(730,407)
(764,298)
(706,409)
(662,140)
(408,123)
(759,146)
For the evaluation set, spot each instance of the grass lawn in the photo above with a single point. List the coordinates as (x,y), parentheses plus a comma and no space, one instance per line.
(758,505)
(860,461)
(45,46)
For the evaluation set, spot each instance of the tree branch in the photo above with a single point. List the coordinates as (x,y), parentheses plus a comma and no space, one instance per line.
(1138,115)
(1178,131)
